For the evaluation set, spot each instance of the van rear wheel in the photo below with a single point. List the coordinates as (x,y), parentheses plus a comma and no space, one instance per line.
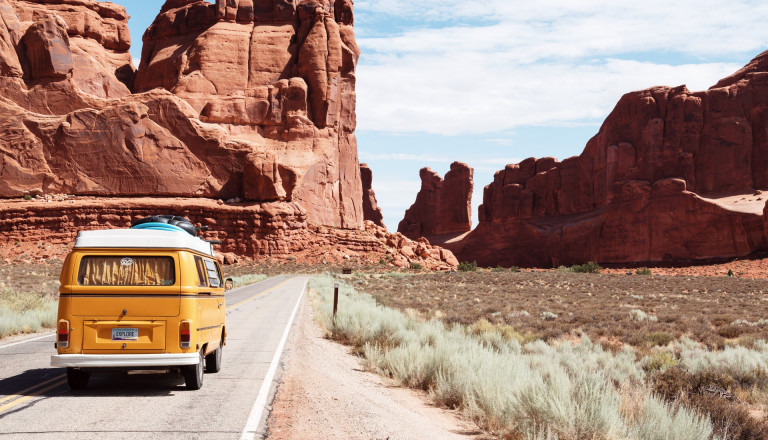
(77,379)
(213,361)
(193,374)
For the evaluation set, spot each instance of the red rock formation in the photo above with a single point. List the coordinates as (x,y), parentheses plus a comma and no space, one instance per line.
(250,230)
(644,189)
(240,99)
(371,210)
(441,206)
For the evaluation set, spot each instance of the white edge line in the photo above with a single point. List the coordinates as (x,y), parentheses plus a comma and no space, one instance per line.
(252,425)
(28,340)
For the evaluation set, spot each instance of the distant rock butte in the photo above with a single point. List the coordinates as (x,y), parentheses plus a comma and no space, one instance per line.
(648,187)
(371,210)
(442,206)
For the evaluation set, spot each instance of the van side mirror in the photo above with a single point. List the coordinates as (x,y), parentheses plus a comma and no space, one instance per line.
(228,284)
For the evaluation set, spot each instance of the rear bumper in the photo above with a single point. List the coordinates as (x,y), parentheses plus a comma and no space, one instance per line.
(124,360)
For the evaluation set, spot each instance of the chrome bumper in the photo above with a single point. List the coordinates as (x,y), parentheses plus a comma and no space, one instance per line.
(124,360)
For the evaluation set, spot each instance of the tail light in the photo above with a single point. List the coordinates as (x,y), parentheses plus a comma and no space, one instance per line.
(63,334)
(185,335)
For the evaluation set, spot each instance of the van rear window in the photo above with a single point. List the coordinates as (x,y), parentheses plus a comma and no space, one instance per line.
(126,271)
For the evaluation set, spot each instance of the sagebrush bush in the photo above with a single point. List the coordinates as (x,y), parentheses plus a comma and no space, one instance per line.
(25,312)
(466,266)
(640,316)
(244,280)
(643,271)
(536,390)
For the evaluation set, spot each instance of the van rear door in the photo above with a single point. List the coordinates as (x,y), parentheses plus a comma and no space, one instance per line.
(124,299)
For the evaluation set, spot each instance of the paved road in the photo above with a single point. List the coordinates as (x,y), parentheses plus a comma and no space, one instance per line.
(36,403)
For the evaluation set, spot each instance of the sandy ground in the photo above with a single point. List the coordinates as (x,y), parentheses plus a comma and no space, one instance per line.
(325,394)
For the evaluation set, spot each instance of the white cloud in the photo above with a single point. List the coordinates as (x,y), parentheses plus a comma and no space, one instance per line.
(540,63)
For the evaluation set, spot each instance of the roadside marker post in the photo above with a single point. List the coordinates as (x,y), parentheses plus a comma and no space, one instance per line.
(335,300)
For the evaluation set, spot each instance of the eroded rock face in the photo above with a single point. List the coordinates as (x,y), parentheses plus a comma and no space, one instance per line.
(634,194)
(255,102)
(442,206)
(371,210)
(251,230)
(278,76)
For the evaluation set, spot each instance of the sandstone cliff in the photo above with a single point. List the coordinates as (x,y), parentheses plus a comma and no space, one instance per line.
(249,102)
(442,206)
(232,100)
(671,176)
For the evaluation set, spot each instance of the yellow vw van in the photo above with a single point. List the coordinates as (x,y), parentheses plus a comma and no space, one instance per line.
(146,298)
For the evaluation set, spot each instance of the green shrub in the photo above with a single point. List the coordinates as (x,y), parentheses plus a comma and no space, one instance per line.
(28,197)
(590,267)
(466,266)
(499,269)
(514,269)
(643,271)
(415,266)
(660,361)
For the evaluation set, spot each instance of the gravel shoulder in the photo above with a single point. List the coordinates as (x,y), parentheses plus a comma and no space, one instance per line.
(325,394)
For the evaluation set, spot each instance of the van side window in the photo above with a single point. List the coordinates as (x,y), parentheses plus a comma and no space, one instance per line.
(201,281)
(213,273)
(124,270)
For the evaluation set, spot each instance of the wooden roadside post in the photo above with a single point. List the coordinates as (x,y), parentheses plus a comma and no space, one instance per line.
(335,300)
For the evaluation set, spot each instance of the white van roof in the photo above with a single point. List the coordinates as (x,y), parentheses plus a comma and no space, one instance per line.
(142,239)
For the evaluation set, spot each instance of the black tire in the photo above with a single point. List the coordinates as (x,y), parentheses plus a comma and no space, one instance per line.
(213,361)
(173,220)
(77,379)
(193,374)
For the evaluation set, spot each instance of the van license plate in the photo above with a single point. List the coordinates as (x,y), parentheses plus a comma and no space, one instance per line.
(125,334)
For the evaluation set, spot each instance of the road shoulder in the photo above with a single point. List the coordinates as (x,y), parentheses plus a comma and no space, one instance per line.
(324,393)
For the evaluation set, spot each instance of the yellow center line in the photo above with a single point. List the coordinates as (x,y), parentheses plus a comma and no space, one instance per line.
(30,396)
(257,295)
(21,393)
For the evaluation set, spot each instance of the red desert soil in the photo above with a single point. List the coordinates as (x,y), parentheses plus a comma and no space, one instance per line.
(325,395)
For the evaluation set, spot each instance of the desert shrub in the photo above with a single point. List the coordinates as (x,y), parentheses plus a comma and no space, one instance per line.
(748,367)
(744,322)
(567,391)
(675,382)
(730,420)
(548,316)
(499,269)
(660,361)
(564,269)
(590,267)
(731,331)
(415,266)
(23,312)
(658,339)
(244,280)
(466,266)
(643,271)
(514,269)
(640,316)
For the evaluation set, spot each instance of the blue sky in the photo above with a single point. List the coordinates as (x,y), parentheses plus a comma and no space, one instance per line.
(492,82)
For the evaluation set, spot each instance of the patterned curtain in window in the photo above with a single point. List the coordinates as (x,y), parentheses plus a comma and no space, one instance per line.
(126,271)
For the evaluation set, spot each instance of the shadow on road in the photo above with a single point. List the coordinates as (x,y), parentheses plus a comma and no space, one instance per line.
(100,385)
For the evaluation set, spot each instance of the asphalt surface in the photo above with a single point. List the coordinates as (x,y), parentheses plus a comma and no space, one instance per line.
(36,403)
